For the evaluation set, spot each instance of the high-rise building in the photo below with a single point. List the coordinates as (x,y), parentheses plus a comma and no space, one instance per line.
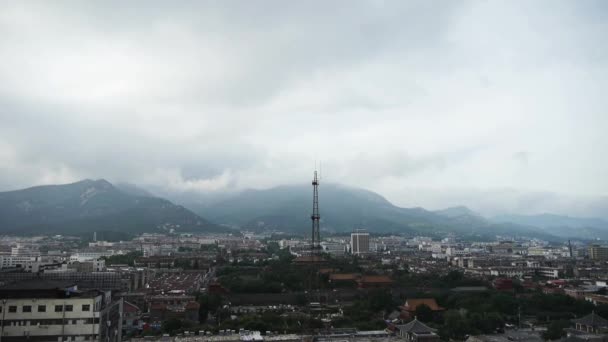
(39,310)
(597,252)
(359,243)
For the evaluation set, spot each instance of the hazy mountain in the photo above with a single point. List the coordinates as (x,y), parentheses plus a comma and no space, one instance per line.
(551,220)
(344,209)
(90,205)
(564,226)
(459,211)
(134,190)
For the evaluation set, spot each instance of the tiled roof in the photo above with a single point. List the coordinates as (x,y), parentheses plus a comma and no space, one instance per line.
(415,326)
(376,279)
(412,304)
(343,276)
(129,307)
(593,320)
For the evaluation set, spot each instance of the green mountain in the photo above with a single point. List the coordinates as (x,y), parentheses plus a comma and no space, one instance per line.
(343,209)
(92,205)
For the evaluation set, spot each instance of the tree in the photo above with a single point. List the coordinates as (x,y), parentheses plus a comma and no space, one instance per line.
(424,313)
(456,326)
(208,303)
(380,299)
(170,326)
(556,330)
(128,259)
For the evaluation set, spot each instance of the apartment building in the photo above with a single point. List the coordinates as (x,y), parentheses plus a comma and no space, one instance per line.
(359,243)
(39,310)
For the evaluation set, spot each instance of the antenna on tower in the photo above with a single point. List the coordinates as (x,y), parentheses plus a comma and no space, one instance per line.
(320,170)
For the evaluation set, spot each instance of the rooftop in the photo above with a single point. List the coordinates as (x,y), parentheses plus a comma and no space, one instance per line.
(412,304)
(593,320)
(416,327)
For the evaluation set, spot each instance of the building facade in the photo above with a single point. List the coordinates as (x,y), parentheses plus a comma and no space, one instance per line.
(37,310)
(359,243)
(597,252)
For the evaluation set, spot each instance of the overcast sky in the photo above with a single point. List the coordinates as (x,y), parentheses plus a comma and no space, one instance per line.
(426,102)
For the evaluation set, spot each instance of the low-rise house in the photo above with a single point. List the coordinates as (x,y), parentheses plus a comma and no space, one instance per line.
(131,318)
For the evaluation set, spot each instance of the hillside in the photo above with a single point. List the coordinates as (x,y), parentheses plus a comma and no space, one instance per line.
(90,205)
(559,225)
(343,209)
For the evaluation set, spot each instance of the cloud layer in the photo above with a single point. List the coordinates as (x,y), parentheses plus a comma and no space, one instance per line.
(389,95)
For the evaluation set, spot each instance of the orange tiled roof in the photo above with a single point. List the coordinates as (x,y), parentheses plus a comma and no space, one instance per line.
(412,304)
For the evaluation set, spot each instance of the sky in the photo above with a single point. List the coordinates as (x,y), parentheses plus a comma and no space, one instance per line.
(499,105)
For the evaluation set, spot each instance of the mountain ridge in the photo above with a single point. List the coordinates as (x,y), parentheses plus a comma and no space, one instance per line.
(88,205)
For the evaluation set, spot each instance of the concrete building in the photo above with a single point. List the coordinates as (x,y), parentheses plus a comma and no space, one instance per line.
(37,310)
(91,255)
(359,243)
(597,252)
(334,248)
(88,266)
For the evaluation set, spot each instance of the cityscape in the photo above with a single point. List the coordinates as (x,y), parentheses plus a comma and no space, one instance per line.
(271,285)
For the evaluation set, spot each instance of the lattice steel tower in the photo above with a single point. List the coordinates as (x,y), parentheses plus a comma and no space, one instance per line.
(316,234)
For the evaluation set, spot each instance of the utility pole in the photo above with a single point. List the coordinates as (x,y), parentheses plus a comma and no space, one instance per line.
(3,315)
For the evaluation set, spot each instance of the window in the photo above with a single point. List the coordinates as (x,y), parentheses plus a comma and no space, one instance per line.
(86,307)
(27,308)
(41,308)
(58,308)
(69,308)
(12,308)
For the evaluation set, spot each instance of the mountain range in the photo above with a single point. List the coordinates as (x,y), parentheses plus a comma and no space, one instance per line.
(345,208)
(90,205)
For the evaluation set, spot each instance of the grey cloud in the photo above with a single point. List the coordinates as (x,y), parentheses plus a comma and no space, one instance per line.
(222,96)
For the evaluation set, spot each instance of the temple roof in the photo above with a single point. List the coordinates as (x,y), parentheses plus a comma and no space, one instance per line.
(415,326)
(593,320)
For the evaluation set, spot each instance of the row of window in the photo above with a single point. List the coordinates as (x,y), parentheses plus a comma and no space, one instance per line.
(30,322)
(42,308)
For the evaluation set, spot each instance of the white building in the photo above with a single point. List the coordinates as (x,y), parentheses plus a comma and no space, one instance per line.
(38,310)
(334,248)
(359,243)
(90,255)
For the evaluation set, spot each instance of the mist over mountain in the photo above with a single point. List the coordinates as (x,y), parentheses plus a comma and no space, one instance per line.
(97,205)
(91,205)
(343,209)
(566,226)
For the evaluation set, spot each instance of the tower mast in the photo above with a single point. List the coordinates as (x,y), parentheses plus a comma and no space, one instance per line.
(315,217)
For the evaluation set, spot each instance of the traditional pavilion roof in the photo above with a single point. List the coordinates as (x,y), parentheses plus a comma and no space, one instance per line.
(592,319)
(415,326)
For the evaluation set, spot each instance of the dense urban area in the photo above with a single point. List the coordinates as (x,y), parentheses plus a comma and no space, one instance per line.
(269,286)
